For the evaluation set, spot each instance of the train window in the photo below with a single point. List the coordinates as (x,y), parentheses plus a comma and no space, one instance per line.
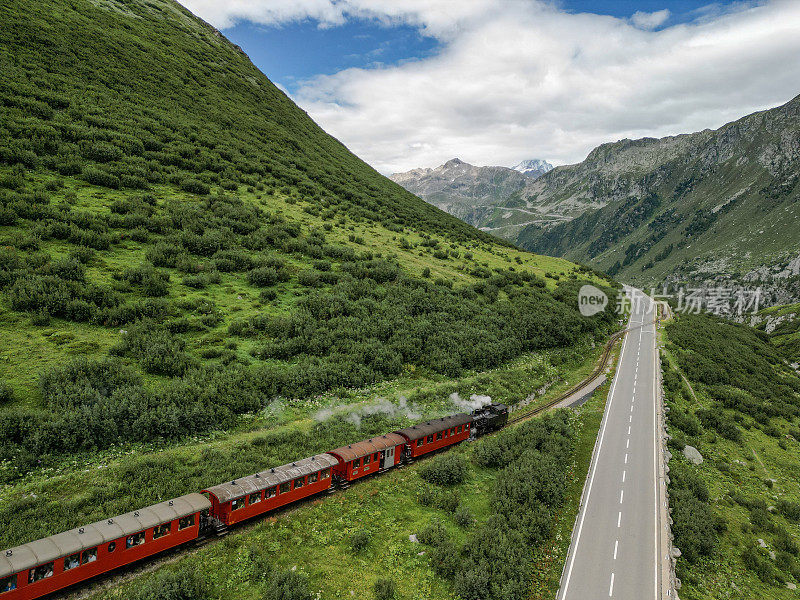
(430,439)
(285,487)
(439,435)
(40,572)
(299,482)
(161,530)
(254,498)
(367,459)
(8,584)
(270,492)
(187,521)
(111,547)
(72,561)
(375,456)
(137,539)
(325,474)
(313,478)
(88,556)
(420,441)
(458,429)
(237,503)
(356,463)
(452,431)
(466,426)
(445,432)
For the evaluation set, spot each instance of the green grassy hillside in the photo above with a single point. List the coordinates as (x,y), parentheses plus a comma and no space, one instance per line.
(182,250)
(736,516)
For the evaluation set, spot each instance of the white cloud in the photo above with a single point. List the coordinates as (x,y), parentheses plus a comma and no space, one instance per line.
(523,79)
(650,20)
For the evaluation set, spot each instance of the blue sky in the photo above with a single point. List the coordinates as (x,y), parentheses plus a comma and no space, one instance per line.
(294,52)
(291,53)
(414,83)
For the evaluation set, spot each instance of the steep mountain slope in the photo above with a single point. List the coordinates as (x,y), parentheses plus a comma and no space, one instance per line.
(712,204)
(180,246)
(485,197)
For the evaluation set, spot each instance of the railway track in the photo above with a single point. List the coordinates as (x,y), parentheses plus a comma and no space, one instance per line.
(113,579)
(517,416)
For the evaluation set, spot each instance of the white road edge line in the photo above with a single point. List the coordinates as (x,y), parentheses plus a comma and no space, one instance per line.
(656,427)
(565,588)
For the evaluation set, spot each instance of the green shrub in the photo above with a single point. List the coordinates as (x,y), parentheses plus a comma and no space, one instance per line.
(360,540)
(464,517)
(445,558)
(97,176)
(693,525)
(789,509)
(446,469)
(195,186)
(6,393)
(159,351)
(759,564)
(448,501)
(263,276)
(433,533)
(102,152)
(172,585)
(384,589)
(287,585)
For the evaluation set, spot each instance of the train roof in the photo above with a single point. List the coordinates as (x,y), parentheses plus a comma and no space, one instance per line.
(27,556)
(376,444)
(435,426)
(271,477)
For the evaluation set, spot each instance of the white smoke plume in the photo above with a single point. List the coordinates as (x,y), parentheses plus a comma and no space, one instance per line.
(354,412)
(475,401)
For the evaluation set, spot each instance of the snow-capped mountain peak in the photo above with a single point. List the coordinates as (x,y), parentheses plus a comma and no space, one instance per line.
(533,167)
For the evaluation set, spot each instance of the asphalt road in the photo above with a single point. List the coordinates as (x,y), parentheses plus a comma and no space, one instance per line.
(615,544)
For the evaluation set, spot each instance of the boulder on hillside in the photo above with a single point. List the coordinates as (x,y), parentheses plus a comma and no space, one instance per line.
(693,455)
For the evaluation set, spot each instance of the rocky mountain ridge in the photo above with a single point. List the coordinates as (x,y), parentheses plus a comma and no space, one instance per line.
(707,206)
(469,192)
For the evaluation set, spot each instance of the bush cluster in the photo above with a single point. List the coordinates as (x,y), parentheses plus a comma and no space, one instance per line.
(495,561)
(184,584)
(446,469)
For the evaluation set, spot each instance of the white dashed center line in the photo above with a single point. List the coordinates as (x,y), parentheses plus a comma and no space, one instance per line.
(619,518)
(611,587)
(621,492)
(616,545)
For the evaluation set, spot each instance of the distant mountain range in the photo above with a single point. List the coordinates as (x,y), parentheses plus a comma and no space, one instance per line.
(709,206)
(715,205)
(472,193)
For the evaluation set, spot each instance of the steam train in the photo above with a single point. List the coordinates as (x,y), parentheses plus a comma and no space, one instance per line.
(63,560)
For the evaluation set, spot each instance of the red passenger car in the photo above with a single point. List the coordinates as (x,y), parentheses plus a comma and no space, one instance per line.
(436,434)
(370,456)
(54,563)
(257,494)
